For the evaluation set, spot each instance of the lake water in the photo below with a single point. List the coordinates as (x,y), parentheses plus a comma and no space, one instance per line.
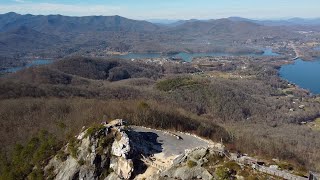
(185,56)
(317,48)
(189,56)
(36,62)
(269,52)
(305,74)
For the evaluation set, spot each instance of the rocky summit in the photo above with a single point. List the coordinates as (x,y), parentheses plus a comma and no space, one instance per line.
(112,151)
(115,151)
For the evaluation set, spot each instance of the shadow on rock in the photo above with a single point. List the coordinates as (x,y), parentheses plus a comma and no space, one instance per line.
(145,143)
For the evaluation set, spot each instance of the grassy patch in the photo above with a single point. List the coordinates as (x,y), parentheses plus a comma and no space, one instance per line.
(62,156)
(232,165)
(172,84)
(191,164)
(223,173)
(244,173)
(93,129)
(316,125)
(214,159)
(104,144)
(285,166)
(73,147)
(36,174)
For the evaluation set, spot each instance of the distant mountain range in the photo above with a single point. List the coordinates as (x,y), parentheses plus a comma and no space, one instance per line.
(63,35)
(285,22)
(63,24)
(288,22)
(59,36)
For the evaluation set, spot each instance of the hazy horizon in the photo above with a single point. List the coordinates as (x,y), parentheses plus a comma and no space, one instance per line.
(173,20)
(166,9)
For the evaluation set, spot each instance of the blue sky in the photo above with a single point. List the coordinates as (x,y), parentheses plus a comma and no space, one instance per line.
(168,9)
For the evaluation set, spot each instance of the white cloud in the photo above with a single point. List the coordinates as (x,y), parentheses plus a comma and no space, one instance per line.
(137,12)
(65,9)
(19,1)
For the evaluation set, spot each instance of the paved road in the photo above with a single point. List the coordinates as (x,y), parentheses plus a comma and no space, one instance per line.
(171,146)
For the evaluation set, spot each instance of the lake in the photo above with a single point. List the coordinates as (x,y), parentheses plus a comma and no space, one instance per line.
(269,52)
(36,62)
(189,56)
(317,48)
(305,74)
(185,56)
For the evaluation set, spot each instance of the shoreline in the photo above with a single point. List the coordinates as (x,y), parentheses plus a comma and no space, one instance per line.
(297,86)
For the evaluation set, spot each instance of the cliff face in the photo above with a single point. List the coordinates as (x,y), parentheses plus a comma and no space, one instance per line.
(96,153)
(114,151)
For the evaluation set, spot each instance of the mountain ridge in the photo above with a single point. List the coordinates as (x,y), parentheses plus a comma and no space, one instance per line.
(97,35)
(67,23)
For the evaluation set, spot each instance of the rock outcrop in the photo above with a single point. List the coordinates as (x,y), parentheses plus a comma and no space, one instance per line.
(121,147)
(115,152)
(108,151)
(97,153)
(189,165)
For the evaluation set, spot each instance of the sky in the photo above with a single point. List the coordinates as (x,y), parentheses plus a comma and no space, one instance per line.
(168,9)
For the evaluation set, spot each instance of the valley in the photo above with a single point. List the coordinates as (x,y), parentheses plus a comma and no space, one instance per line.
(27,36)
(188,86)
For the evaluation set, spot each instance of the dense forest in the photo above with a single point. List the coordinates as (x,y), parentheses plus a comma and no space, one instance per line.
(251,115)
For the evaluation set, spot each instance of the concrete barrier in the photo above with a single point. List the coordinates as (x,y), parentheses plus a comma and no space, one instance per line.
(278,173)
